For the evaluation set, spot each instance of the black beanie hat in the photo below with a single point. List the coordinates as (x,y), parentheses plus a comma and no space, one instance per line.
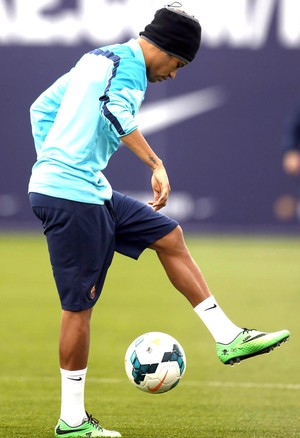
(174,32)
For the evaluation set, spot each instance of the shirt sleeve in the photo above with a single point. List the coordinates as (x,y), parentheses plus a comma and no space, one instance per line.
(123,97)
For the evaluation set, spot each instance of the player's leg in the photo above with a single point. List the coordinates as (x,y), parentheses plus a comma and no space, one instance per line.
(180,267)
(187,277)
(80,256)
(233,343)
(74,341)
(138,227)
(74,351)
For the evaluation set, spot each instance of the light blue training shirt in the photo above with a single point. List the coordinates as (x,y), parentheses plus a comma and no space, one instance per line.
(78,121)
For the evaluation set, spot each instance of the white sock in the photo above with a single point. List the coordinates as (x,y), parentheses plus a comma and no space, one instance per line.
(72,396)
(222,329)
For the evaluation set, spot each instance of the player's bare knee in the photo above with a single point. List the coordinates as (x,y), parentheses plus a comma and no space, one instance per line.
(171,242)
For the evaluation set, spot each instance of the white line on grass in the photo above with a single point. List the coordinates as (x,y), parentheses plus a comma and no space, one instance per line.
(216,384)
(292,386)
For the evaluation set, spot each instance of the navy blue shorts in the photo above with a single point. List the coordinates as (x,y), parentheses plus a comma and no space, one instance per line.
(82,239)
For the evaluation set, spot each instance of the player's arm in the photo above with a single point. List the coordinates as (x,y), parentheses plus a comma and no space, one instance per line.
(120,105)
(136,142)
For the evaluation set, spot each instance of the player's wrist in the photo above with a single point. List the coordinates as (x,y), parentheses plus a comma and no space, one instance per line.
(157,166)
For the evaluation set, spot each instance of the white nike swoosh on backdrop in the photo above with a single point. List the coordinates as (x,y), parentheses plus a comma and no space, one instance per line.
(167,112)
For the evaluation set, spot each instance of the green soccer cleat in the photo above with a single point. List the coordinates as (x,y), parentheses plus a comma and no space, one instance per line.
(89,428)
(250,343)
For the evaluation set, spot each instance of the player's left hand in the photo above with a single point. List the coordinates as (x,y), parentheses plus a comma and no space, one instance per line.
(161,188)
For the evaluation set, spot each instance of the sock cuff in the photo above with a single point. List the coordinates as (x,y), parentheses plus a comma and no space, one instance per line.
(208,302)
(73,373)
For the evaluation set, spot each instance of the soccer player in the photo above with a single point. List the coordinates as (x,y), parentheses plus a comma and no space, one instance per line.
(77,125)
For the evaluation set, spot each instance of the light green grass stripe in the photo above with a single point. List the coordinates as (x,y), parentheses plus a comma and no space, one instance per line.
(216,384)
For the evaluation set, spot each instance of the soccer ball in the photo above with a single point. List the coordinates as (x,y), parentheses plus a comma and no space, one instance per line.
(155,362)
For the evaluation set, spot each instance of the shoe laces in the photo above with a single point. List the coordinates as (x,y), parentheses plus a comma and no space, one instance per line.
(93,421)
(246,330)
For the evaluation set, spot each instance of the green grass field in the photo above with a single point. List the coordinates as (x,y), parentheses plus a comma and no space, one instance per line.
(257,282)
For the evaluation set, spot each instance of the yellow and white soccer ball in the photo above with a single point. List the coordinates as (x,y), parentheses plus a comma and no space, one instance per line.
(155,362)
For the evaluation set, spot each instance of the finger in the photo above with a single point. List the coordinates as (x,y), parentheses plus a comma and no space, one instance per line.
(157,205)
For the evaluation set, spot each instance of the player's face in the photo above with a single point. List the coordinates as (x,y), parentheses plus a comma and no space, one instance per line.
(164,67)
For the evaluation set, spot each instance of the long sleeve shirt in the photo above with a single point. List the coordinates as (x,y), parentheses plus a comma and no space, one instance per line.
(77,123)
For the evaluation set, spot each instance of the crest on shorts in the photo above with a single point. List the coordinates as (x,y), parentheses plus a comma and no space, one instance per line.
(92,293)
